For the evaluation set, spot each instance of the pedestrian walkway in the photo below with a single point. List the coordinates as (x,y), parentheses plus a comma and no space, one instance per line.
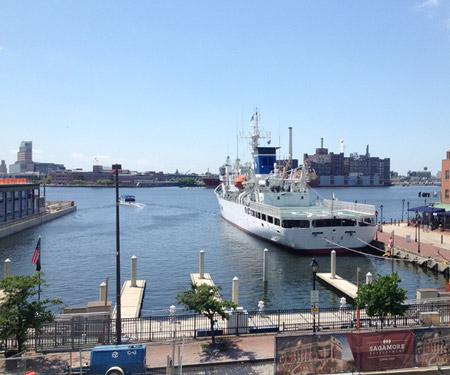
(434,244)
(237,349)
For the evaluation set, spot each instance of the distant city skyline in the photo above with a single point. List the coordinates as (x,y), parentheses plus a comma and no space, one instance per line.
(161,86)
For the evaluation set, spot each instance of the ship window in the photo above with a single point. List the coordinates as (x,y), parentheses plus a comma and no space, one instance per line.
(263,217)
(348,222)
(277,221)
(253,213)
(270,219)
(295,224)
(322,223)
(258,215)
(365,222)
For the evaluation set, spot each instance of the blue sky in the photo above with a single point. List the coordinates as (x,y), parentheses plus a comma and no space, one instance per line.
(166,85)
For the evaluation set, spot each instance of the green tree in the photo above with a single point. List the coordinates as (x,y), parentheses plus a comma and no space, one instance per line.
(382,297)
(104,181)
(206,300)
(19,310)
(80,182)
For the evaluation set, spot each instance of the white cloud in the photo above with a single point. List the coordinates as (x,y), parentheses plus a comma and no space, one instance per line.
(77,156)
(427,4)
(1,47)
(428,7)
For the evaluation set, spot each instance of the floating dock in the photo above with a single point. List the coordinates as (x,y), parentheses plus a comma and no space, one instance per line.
(130,300)
(338,283)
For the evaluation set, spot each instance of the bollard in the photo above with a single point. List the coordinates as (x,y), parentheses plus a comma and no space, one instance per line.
(133,270)
(7,267)
(333,264)
(265,265)
(369,278)
(103,291)
(202,265)
(235,291)
(261,306)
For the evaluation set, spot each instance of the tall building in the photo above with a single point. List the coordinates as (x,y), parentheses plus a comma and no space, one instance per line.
(25,164)
(24,161)
(25,153)
(445,179)
(3,169)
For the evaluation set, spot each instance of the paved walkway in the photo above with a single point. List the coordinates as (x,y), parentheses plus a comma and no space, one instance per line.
(248,348)
(432,243)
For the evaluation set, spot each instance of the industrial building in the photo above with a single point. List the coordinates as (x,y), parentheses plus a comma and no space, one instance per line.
(19,199)
(356,170)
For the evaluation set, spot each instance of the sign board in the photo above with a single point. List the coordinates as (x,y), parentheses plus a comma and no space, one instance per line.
(314,297)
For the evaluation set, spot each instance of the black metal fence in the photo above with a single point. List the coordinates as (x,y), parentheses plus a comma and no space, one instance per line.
(83,332)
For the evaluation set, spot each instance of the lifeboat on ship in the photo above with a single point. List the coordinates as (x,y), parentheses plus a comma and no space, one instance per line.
(238,181)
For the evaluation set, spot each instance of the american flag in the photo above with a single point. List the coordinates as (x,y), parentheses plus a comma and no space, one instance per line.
(36,259)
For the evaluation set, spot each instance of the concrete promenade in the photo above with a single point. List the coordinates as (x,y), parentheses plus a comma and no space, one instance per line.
(55,211)
(430,241)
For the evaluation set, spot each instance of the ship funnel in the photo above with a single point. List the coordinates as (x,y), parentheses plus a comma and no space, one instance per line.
(290,142)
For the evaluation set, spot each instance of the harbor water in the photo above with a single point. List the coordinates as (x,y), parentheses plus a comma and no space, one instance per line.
(166,235)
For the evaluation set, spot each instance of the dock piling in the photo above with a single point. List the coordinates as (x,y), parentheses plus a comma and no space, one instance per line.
(7,267)
(102,291)
(133,271)
(235,291)
(265,265)
(202,264)
(333,264)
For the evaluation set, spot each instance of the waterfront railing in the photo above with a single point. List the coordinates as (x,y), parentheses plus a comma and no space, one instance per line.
(82,331)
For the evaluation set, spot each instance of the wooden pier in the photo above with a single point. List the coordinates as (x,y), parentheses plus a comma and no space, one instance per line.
(131,299)
(338,283)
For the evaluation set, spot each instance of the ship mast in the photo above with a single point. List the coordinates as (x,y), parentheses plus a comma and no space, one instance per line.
(255,135)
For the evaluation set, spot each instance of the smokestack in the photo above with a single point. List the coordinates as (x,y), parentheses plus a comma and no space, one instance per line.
(321,142)
(290,142)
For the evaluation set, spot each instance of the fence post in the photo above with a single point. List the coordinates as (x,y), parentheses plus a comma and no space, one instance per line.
(72,338)
(195,326)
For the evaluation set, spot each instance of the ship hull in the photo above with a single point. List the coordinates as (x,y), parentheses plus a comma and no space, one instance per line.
(317,240)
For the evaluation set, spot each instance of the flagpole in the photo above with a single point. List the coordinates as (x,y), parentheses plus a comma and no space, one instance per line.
(39,272)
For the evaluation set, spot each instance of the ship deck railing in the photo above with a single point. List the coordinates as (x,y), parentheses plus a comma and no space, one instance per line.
(366,209)
(316,211)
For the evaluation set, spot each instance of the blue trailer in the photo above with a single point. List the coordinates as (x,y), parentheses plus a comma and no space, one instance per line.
(116,360)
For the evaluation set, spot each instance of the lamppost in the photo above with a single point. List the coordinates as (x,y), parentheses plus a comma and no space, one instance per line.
(418,239)
(314,300)
(117,167)
(376,223)
(403,208)
(381,219)
(407,205)
(415,229)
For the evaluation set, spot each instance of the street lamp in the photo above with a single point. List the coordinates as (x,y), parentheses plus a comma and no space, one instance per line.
(381,219)
(403,208)
(376,223)
(407,205)
(116,168)
(314,267)
(418,239)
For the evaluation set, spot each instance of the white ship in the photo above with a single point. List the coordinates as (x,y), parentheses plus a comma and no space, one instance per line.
(275,204)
